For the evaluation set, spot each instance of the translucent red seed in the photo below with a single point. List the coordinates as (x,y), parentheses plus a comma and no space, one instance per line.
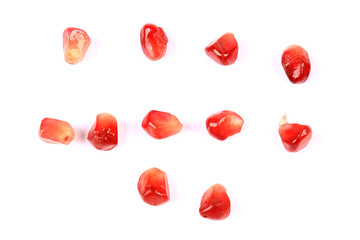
(215,203)
(56,131)
(161,125)
(153,41)
(153,187)
(75,45)
(224,124)
(296,63)
(103,135)
(223,50)
(294,136)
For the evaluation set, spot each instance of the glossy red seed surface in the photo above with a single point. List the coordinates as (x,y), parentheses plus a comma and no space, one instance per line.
(153,41)
(223,50)
(56,131)
(296,63)
(103,135)
(153,187)
(75,45)
(161,125)
(224,124)
(294,136)
(215,203)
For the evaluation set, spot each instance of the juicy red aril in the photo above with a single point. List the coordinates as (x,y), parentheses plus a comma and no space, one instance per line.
(153,187)
(223,50)
(294,136)
(153,41)
(224,124)
(215,203)
(161,125)
(75,44)
(103,135)
(296,63)
(56,131)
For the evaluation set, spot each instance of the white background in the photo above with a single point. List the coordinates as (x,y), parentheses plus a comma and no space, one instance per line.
(77,192)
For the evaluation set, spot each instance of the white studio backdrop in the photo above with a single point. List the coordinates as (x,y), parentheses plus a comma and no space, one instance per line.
(77,192)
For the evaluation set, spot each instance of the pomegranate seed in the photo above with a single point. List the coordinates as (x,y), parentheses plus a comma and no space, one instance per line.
(153,187)
(103,135)
(161,125)
(224,124)
(56,131)
(223,50)
(75,44)
(294,136)
(296,63)
(153,41)
(215,203)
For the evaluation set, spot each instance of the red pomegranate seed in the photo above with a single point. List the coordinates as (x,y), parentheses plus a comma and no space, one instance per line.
(223,50)
(215,203)
(153,187)
(56,131)
(103,135)
(294,136)
(224,124)
(296,63)
(75,44)
(161,125)
(153,41)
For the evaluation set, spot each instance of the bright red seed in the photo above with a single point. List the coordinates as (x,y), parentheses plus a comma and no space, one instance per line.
(75,44)
(215,203)
(153,187)
(153,41)
(294,136)
(223,50)
(224,124)
(296,63)
(161,125)
(56,131)
(103,135)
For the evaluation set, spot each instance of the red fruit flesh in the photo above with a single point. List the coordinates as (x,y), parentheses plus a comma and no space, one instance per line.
(153,41)
(223,50)
(103,135)
(75,44)
(294,136)
(161,125)
(215,203)
(56,131)
(296,63)
(224,124)
(153,187)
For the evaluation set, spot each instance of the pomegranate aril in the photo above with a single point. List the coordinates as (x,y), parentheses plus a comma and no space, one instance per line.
(294,136)
(153,41)
(103,135)
(161,125)
(296,63)
(223,50)
(224,124)
(75,44)
(215,203)
(56,131)
(153,187)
